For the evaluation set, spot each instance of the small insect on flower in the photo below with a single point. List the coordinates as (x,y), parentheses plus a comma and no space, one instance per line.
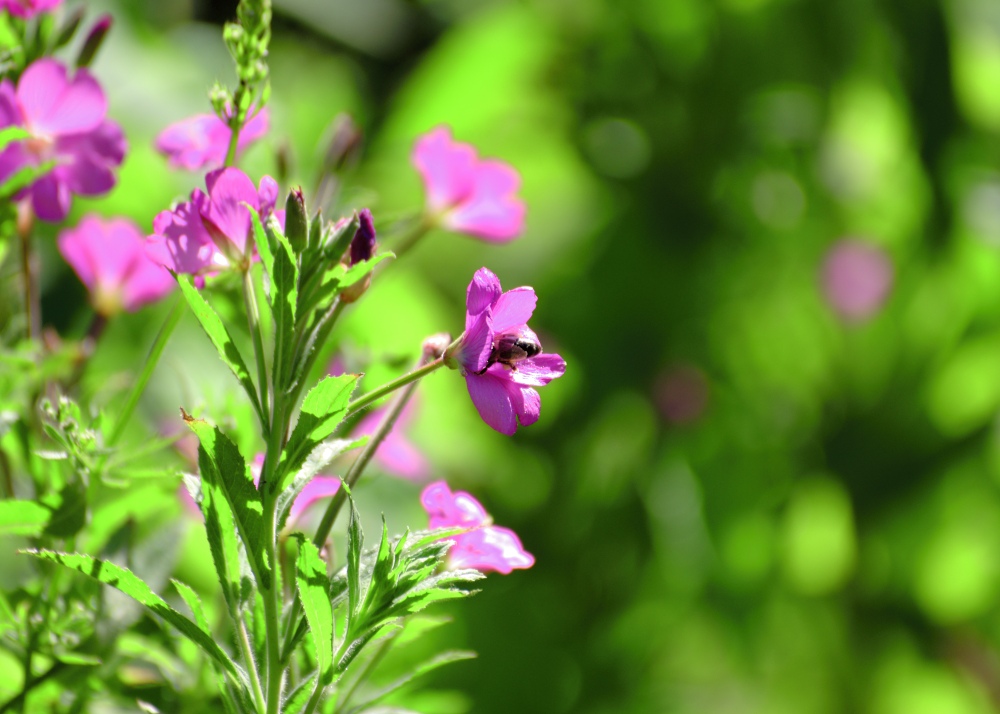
(513,346)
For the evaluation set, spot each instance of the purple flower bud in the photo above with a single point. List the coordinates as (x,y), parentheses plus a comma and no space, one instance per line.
(363,243)
(95,38)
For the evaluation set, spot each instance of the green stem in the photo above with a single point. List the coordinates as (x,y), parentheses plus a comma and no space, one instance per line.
(369,667)
(32,306)
(247,650)
(275,667)
(253,321)
(389,387)
(18,701)
(236,122)
(155,351)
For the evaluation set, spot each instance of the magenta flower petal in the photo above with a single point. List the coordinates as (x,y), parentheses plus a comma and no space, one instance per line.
(513,309)
(466,194)
(203,140)
(492,400)
(447,168)
(110,259)
(447,510)
(483,292)
(490,548)
(484,546)
(54,105)
(50,198)
(477,344)
(491,211)
(181,243)
(28,8)
(526,402)
(539,370)
(229,189)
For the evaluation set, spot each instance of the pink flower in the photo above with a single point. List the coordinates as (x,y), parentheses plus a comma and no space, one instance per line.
(66,120)
(212,231)
(465,194)
(501,356)
(28,8)
(484,546)
(203,140)
(396,455)
(110,258)
(856,279)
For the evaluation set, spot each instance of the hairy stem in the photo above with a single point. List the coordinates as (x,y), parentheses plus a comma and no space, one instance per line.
(253,321)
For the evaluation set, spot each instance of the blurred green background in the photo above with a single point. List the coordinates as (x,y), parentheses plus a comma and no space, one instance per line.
(768,482)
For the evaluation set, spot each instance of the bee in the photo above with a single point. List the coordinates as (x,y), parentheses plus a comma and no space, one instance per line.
(509,348)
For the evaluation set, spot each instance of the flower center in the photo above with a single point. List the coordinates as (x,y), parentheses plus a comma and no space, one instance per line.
(40,146)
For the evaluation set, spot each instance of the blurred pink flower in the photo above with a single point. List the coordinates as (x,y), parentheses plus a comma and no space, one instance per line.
(396,455)
(212,231)
(66,120)
(856,277)
(499,374)
(28,8)
(319,488)
(202,140)
(110,258)
(484,546)
(465,194)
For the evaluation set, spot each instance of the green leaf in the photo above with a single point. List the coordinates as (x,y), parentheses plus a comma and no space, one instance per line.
(23,177)
(25,518)
(225,473)
(421,669)
(69,510)
(299,696)
(220,528)
(355,542)
(127,582)
(192,600)
(220,337)
(314,594)
(323,409)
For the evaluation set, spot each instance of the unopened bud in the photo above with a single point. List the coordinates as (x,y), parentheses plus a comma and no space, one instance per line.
(69,28)
(296,220)
(95,38)
(435,345)
(363,243)
(342,234)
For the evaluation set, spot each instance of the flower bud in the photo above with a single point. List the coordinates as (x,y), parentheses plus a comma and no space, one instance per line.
(341,237)
(95,38)
(69,28)
(363,243)
(296,220)
(434,346)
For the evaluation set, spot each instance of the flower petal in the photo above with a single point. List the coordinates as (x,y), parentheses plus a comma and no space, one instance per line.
(50,198)
(318,488)
(490,548)
(483,291)
(447,168)
(539,370)
(492,400)
(477,344)
(55,105)
(513,309)
(447,510)
(527,404)
(228,190)
(491,210)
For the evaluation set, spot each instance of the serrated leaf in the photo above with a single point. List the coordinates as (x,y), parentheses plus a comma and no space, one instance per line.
(355,542)
(420,670)
(193,602)
(299,696)
(220,338)
(323,409)
(127,582)
(314,594)
(220,529)
(25,518)
(223,470)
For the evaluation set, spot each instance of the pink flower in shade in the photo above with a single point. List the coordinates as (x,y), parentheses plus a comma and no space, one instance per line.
(856,278)
(396,455)
(465,194)
(203,140)
(28,8)
(484,546)
(110,258)
(501,387)
(212,231)
(66,120)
